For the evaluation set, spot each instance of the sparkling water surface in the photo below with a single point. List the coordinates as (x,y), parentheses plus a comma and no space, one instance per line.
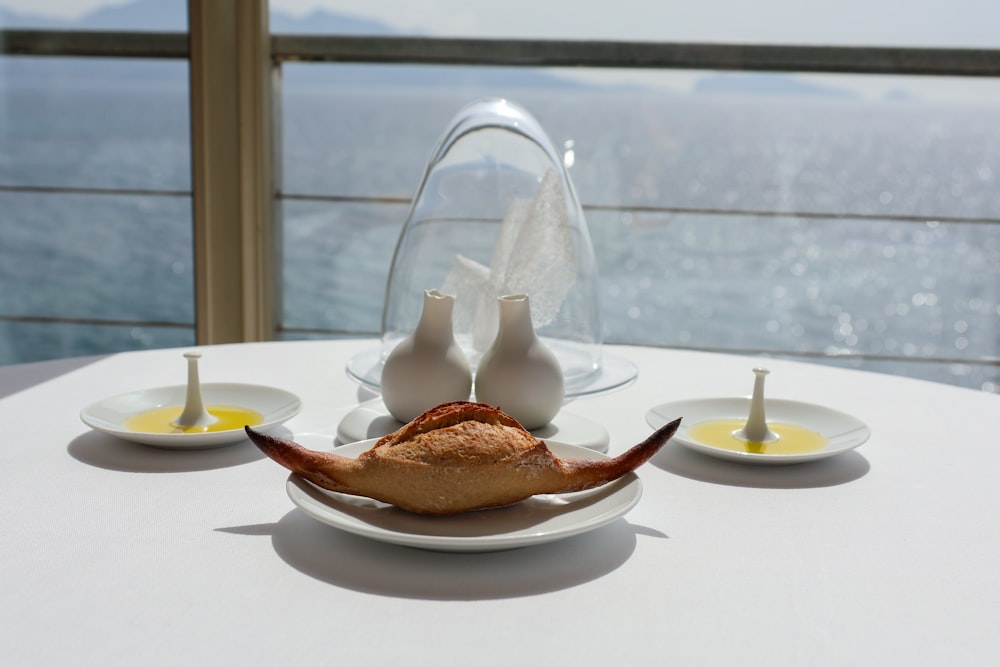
(911,270)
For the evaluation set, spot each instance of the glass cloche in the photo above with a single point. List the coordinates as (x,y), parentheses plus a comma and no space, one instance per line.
(496,213)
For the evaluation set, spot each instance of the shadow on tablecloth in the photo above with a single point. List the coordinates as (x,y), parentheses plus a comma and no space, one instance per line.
(349,561)
(105,451)
(840,469)
(19,377)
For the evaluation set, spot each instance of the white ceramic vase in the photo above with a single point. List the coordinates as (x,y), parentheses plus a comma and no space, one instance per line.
(428,367)
(518,373)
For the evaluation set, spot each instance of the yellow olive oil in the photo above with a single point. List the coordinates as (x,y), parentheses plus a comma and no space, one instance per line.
(161,420)
(792,439)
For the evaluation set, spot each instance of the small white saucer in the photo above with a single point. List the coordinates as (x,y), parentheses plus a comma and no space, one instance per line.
(615,372)
(842,431)
(110,414)
(371,419)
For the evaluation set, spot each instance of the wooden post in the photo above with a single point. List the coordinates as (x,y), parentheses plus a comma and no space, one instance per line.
(233,188)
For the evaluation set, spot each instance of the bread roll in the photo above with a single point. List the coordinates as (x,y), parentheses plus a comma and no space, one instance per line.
(456,457)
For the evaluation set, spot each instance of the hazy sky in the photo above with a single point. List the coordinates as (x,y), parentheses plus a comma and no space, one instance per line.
(873,22)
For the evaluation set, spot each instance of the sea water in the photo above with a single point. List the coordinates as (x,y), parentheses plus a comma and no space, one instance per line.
(901,278)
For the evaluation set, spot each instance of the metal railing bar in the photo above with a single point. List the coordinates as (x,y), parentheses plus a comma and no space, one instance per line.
(64,190)
(679,210)
(610,208)
(638,55)
(771,213)
(95,321)
(323,331)
(531,53)
(95,43)
(845,355)
(343,199)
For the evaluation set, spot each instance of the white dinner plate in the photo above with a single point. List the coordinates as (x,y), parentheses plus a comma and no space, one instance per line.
(110,414)
(842,431)
(371,419)
(539,519)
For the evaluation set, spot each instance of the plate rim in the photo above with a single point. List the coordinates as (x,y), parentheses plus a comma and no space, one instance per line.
(190,440)
(630,484)
(861,431)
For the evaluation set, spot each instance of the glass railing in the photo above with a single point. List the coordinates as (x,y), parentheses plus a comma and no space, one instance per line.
(95,188)
(754,257)
(848,231)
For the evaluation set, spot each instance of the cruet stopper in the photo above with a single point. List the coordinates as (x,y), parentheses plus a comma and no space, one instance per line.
(194,413)
(756,429)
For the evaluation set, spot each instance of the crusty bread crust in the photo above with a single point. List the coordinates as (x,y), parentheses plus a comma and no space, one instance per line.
(455,433)
(454,458)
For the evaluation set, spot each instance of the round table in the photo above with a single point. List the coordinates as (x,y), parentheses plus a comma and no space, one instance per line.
(117,553)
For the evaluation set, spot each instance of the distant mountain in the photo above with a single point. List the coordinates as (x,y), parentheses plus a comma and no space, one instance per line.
(157,15)
(141,15)
(321,22)
(172,16)
(742,83)
(10,19)
(899,95)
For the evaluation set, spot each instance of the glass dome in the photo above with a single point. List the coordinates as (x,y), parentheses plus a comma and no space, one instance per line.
(496,213)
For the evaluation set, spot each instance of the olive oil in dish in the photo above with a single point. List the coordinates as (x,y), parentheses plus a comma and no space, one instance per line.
(792,439)
(164,420)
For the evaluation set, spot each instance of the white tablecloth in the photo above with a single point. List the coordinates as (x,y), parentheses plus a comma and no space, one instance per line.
(116,553)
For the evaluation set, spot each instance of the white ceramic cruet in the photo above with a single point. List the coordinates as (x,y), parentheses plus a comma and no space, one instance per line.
(428,367)
(518,373)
